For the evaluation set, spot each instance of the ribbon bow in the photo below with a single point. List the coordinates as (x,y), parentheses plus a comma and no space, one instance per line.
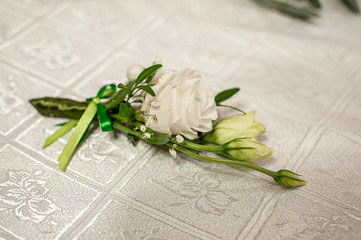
(83,124)
(104,119)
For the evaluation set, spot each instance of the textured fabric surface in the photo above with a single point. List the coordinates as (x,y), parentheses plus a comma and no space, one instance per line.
(303,80)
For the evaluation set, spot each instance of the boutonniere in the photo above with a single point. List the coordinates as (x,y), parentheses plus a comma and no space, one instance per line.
(172,109)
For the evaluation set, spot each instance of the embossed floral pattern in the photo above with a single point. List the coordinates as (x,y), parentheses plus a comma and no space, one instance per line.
(24,195)
(8,98)
(325,228)
(98,148)
(53,53)
(140,234)
(97,16)
(202,189)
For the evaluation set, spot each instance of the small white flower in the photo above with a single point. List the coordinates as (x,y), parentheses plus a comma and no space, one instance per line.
(179,138)
(174,145)
(143,128)
(146,135)
(173,152)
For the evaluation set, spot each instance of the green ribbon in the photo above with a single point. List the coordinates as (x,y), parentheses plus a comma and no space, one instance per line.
(104,119)
(64,129)
(95,106)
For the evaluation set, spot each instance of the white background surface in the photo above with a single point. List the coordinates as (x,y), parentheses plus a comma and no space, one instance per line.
(302,79)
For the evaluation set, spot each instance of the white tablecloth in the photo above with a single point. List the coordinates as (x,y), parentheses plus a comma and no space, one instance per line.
(301,78)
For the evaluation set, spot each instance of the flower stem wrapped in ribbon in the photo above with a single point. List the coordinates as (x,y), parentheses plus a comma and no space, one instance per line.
(168,108)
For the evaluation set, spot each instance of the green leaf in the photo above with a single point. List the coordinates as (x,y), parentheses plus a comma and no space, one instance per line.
(149,79)
(121,85)
(59,107)
(352,5)
(125,111)
(130,136)
(115,116)
(156,138)
(147,89)
(118,98)
(315,3)
(127,87)
(137,101)
(147,73)
(234,108)
(226,94)
(288,9)
(61,124)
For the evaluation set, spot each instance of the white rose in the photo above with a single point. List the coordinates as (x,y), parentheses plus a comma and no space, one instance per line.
(183,104)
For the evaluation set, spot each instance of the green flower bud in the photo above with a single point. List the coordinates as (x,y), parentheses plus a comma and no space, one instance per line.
(289,179)
(236,126)
(247,149)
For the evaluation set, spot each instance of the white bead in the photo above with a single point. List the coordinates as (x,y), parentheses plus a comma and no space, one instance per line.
(155,104)
(157,61)
(133,71)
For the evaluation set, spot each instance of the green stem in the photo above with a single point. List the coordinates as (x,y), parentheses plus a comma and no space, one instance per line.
(123,128)
(227,161)
(234,108)
(183,149)
(200,147)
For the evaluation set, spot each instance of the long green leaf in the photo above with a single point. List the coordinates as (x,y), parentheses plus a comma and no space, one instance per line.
(147,89)
(121,85)
(157,138)
(118,98)
(147,73)
(59,107)
(315,3)
(352,5)
(288,9)
(138,101)
(130,84)
(125,111)
(226,94)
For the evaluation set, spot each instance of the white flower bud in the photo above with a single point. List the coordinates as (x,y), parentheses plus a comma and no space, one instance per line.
(236,126)
(256,151)
(133,71)
(179,138)
(173,152)
(146,135)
